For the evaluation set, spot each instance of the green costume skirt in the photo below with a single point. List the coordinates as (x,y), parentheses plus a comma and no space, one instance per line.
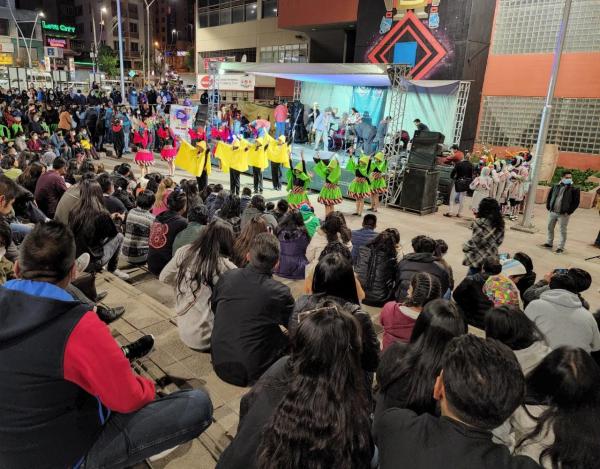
(330,194)
(359,188)
(297,197)
(378,183)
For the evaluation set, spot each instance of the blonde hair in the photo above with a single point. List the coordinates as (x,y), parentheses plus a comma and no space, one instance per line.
(163,188)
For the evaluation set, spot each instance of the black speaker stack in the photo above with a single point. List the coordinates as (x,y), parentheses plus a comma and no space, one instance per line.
(421,179)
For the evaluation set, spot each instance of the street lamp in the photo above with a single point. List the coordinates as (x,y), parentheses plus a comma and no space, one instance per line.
(39,14)
(148,5)
(96,65)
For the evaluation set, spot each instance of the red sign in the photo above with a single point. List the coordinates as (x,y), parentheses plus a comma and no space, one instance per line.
(205,82)
(56,42)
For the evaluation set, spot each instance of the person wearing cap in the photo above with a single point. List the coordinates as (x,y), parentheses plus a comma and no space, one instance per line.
(360,187)
(321,128)
(502,289)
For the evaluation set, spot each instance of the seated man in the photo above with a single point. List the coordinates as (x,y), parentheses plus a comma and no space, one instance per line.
(67,393)
(249,308)
(481,384)
(560,314)
(423,259)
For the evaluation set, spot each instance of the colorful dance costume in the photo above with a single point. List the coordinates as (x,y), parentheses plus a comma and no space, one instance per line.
(143,157)
(330,193)
(167,143)
(257,158)
(298,181)
(380,167)
(278,154)
(360,187)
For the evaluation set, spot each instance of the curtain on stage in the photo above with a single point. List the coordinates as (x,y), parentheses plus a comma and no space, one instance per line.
(371,100)
(334,96)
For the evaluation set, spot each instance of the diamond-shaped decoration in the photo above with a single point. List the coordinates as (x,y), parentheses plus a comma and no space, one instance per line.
(412,29)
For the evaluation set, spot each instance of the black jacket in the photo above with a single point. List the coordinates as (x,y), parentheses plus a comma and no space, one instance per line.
(405,439)
(376,272)
(418,262)
(471,300)
(570,198)
(163,231)
(45,420)
(248,306)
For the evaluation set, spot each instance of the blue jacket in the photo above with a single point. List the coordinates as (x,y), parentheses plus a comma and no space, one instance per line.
(360,238)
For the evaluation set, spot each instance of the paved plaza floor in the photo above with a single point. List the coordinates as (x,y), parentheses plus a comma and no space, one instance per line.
(149,305)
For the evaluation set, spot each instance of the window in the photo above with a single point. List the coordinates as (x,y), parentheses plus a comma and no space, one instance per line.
(237,14)
(225,16)
(4,4)
(79,10)
(4,27)
(213,18)
(115,45)
(250,11)
(133,27)
(134,47)
(269,8)
(203,19)
(510,120)
(529,27)
(133,10)
(290,53)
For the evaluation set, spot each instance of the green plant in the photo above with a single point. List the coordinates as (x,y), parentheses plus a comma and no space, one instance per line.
(580,178)
(108,62)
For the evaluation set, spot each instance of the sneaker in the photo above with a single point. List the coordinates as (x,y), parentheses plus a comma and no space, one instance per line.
(122,275)
(108,315)
(559,251)
(547,246)
(82,262)
(140,348)
(162,454)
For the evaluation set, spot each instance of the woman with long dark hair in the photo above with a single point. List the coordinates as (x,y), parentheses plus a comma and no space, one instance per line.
(311,409)
(376,267)
(487,235)
(293,241)
(334,280)
(334,228)
(193,272)
(241,248)
(514,329)
(28,179)
(398,319)
(230,213)
(94,229)
(558,426)
(406,374)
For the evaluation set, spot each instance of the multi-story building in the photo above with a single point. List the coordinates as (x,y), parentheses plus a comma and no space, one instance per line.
(15,49)
(103,16)
(518,73)
(172,31)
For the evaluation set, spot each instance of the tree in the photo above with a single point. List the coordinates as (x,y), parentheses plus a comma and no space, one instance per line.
(108,61)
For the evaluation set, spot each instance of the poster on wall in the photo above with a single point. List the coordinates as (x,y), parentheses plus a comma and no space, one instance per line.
(181,119)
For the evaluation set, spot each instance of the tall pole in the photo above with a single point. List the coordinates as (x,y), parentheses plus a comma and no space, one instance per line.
(148,5)
(546,114)
(95,44)
(121,66)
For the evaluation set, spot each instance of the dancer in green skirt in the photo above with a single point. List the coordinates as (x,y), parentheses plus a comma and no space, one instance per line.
(360,187)
(330,172)
(378,182)
(298,181)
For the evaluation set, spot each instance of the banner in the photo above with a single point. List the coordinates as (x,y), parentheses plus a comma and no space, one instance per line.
(228,82)
(181,119)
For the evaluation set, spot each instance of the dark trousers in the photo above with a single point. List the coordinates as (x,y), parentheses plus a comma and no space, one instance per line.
(234,181)
(202,181)
(128,439)
(275,175)
(258,179)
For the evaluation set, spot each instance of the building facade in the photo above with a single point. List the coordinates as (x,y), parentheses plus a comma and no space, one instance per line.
(102,15)
(172,31)
(518,72)
(17,26)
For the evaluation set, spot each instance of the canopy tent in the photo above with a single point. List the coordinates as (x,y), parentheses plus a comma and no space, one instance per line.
(329,74)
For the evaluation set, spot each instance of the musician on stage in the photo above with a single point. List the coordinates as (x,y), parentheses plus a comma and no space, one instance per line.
(420,127)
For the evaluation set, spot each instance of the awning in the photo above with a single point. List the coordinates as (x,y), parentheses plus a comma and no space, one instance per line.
(332,74)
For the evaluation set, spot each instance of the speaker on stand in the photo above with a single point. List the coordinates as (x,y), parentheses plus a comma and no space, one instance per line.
(419,190)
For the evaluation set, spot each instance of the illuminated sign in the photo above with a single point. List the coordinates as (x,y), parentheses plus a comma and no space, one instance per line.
(6,58)
(63,28)
(56,42)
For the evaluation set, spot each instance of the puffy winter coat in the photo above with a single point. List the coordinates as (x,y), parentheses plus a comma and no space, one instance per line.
(292,257)
(376,272)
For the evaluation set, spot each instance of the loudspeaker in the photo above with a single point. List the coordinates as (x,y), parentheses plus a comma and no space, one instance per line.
(419,190)
(425,148)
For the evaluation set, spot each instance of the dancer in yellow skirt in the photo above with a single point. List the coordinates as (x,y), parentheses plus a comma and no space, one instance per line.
(257,158)
(195,160)
(278,154)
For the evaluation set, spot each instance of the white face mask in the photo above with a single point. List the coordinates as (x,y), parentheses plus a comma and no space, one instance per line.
(2,252)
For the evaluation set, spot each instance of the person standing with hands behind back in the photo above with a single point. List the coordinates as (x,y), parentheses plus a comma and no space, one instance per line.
(562,201)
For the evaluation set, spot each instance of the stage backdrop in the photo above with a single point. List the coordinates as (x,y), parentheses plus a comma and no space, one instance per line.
(363,98)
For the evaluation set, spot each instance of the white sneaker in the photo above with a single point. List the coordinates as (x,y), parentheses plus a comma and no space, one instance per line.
(122,275)
(162,454)
(82,262)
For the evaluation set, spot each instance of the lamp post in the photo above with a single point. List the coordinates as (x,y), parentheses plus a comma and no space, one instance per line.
(121,66)
(148,46)
(95,64)
(38,15)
